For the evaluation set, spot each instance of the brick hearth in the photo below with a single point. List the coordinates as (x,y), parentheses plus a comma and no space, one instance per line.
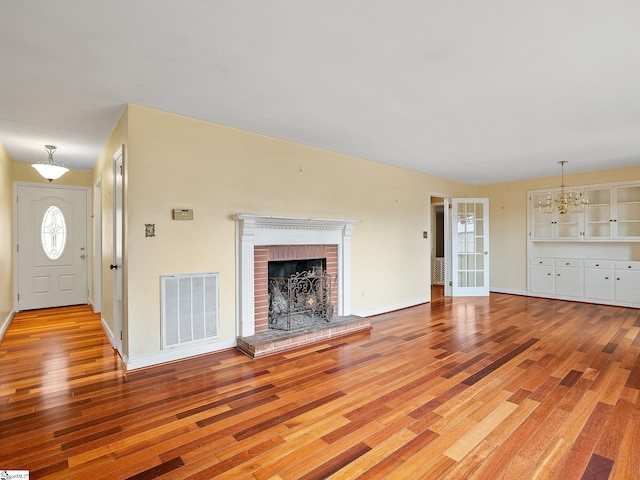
(269,342)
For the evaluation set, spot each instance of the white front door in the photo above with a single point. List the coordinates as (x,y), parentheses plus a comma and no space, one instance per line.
(470,247)
(51,246)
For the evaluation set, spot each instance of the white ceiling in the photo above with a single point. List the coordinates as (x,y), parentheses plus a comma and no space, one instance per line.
(477,91)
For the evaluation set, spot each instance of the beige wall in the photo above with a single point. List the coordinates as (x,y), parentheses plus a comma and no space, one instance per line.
(178,162)
(508,220)
(6,237)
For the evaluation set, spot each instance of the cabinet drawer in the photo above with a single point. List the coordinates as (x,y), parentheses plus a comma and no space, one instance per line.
(568,262)
(598,264)
(542,261)
(627,265)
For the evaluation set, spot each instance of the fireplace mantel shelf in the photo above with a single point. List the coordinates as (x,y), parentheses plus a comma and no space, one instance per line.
(272,221)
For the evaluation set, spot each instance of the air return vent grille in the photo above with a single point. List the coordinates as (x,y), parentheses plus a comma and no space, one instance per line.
(189,308)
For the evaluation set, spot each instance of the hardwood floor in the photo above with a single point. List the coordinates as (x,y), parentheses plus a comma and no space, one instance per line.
(486,388)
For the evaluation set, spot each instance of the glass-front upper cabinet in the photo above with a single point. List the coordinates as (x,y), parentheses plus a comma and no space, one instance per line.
(627,217)
(541,223)
(553,225)
(611,214)
(598,217)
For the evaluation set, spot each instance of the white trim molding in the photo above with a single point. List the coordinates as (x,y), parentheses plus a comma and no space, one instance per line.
(178,354)
(6,323)
(266,230)
(393,308)
(108,332)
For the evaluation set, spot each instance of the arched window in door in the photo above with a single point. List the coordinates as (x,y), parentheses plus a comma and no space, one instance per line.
(53,232)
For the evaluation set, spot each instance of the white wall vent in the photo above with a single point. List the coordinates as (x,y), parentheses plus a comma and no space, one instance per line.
(189,308)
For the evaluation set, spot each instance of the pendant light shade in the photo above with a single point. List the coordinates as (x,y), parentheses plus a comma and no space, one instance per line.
(50,169)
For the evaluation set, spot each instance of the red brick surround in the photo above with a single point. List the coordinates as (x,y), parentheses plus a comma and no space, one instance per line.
(262,255)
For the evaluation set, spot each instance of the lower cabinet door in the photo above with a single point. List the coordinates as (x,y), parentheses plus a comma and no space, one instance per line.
(568,281)
(542,279)
(598,284)
(627,286)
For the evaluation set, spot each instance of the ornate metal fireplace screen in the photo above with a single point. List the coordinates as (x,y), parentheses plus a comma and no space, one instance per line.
(300,300)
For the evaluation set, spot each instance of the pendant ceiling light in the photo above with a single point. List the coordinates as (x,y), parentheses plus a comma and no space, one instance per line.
(564,201)
(50,169)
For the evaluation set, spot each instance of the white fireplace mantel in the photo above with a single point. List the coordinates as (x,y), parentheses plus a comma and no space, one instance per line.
(257,230)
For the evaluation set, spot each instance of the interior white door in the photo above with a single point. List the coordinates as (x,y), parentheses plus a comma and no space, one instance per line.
(470,247)
(51,246)
(118,235)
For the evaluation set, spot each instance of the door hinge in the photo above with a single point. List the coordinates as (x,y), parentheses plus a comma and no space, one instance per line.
(17,248)
(451,283)
(120,170)
(120,334)
(18,297)
(449,206)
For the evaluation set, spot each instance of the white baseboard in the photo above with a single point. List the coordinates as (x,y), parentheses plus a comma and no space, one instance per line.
(393,308)
(5,324)
(509,291)
(108,332)
(179,354)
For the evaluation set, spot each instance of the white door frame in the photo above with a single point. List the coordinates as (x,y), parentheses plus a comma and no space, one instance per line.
(447,239)
(97,246)
(16,264)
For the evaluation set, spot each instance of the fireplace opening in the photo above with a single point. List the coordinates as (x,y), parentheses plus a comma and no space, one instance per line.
(299,293)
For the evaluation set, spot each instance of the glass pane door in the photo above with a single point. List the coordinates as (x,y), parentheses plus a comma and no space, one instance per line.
(470,246)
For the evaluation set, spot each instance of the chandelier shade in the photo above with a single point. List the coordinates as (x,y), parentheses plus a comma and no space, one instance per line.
(50,168)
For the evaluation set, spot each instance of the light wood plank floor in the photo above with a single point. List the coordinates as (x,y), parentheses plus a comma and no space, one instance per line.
(501,387)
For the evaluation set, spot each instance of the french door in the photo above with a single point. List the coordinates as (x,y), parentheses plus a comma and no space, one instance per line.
(469,247)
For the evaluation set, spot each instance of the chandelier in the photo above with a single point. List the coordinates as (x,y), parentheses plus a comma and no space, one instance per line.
(566,201)
(50,169)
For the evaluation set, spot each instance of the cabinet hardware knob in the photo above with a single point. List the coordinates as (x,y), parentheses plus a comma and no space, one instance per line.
(606,278)
(597,264)
(618,278)
(628,266)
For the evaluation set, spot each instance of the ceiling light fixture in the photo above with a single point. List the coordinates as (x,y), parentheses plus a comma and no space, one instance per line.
(50,169)
(564,201)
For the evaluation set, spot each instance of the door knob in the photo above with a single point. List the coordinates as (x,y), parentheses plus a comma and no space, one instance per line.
(113,267)
(83,256)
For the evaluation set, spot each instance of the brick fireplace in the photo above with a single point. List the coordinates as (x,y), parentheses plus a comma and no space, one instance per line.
(264,254)
(261,236)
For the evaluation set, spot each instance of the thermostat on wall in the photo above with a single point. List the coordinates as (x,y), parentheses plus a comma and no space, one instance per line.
(182,214)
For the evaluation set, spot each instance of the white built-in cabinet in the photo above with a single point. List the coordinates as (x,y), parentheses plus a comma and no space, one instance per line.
(591,256)
(612,214)
(552,226)
(587,280)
